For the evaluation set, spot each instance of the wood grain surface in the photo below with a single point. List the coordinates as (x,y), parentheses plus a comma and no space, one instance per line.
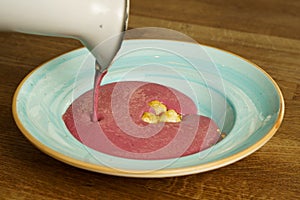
(266,32)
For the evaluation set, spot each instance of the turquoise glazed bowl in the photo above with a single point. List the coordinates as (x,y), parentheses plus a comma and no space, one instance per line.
(242,99)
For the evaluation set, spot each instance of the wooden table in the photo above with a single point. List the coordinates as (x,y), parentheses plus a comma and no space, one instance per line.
(267,32)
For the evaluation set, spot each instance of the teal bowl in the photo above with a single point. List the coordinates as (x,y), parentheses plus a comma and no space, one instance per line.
(239,96)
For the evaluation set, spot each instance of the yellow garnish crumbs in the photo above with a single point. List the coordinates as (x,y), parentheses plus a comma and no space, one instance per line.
(158,107)
(150,118)
(162,114)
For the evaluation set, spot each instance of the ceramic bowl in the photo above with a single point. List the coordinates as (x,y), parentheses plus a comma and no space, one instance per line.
(243,100)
